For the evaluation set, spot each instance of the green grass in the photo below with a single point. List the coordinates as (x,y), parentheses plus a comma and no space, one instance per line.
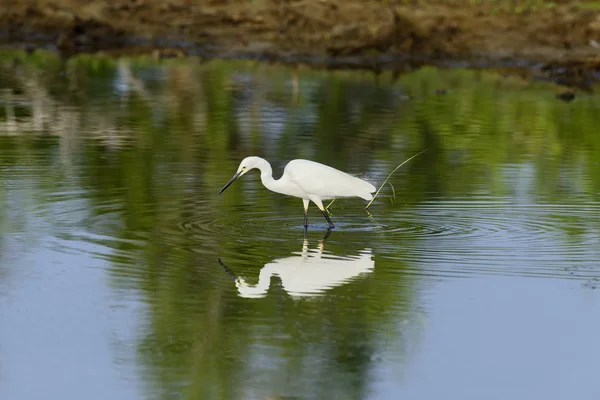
(389,176)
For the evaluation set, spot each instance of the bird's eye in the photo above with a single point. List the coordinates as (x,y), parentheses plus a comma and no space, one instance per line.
(243,168)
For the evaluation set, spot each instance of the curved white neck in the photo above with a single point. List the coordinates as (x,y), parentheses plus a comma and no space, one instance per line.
(266,177)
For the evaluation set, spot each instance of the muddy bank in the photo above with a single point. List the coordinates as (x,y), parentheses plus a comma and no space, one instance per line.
(556,38)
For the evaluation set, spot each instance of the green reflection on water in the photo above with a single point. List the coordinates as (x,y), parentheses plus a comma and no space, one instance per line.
(145,148)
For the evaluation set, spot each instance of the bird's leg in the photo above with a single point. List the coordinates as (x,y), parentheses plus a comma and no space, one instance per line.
(319,204)
(305,203)
(331,225)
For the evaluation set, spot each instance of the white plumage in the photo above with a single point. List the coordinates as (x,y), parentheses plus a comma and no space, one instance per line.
(325,181)
(307,180)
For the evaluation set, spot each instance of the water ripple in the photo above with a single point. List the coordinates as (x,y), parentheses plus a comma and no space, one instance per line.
(457,237)
(258,224)
(532,240)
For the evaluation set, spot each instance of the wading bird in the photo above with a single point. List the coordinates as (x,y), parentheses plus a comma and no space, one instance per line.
(307,180)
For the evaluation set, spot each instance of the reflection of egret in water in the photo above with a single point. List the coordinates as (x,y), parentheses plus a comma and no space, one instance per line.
(309,273)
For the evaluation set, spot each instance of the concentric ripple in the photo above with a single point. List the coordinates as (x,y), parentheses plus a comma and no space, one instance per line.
(467,239)
(458,223)
(258,223)
(523,224)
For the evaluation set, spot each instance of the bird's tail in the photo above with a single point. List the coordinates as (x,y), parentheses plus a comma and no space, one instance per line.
(367,196)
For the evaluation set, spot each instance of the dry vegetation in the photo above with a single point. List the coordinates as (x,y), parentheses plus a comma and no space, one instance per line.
(362,33)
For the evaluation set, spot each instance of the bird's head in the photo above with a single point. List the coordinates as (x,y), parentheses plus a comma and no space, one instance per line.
(246,165)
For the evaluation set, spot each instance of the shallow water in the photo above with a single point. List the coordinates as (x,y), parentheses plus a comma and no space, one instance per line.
(479,279)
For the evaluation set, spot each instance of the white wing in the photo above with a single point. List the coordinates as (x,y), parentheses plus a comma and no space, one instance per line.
(326,182)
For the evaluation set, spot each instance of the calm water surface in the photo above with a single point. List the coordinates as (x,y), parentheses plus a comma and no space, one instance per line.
(479,280)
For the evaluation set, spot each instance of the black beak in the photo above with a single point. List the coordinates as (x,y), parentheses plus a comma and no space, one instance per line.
(233,178)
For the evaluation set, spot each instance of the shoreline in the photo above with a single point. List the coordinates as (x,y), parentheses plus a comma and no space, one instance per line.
(560,42)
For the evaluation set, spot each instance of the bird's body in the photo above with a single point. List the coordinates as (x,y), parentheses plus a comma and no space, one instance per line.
(329,183)
(309,181)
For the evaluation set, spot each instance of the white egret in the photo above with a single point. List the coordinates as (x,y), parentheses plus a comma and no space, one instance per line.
(307,180)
